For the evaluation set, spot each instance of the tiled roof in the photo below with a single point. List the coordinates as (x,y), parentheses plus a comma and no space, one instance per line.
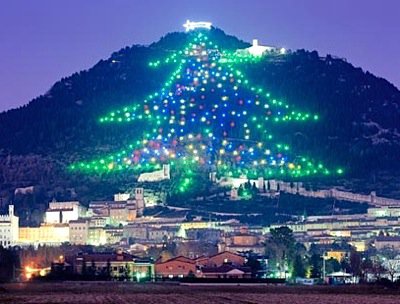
(104,257)
(227,252)
(224,269)
(180,259)
(388,238)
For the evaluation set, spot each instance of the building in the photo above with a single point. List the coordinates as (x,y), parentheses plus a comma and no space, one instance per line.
(160,234)
(338,255)
(9,228)
(135,232)
(113,235)
(45,234)
(79,232)
(181,266)
(97,236)
(258,50)
(156,176)
(63,212)
(120,197)
(178,267)
(121,210)
(222,258)
(384,212)
(120,265)
(225,272)
(392,242)
(206,235)
(242,241)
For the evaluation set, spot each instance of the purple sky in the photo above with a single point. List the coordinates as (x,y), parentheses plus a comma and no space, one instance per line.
(44,40)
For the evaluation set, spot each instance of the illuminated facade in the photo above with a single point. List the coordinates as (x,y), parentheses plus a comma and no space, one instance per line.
(97,236)
(46,234)
(122,210)
(120,197)
(156,176)
(79,232)
(259,50)
(9,228)
(63,212)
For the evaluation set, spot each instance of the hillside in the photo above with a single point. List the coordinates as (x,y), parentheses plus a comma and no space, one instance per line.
(359,125)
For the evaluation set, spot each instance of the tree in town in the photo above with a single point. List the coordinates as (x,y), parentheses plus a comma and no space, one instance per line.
(316,264)
(280,248)
(299,267)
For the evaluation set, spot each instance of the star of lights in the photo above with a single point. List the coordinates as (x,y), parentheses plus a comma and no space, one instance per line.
(191,25)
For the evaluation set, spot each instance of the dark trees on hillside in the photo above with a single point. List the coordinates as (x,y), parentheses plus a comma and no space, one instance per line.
(9,264)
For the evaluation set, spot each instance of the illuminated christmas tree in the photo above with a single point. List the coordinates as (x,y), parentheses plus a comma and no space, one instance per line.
(208,115)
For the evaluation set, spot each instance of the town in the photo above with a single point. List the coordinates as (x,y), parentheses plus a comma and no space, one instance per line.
(117,239)
(248,156)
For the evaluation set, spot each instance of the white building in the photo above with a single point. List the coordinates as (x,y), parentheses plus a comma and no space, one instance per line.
(119,197)
(156,176)
(45,234)
(260,50)
(63,212)
(385,211)
(9,228)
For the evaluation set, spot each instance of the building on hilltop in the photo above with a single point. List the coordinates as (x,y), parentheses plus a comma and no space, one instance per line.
(259,50)
(9,228)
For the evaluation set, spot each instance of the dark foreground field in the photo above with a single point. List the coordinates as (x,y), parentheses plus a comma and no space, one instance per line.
(109,292)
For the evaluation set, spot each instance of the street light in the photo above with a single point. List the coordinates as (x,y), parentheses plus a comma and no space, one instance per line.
(323,266)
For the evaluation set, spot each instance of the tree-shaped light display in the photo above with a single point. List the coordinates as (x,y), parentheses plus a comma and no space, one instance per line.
(208,115)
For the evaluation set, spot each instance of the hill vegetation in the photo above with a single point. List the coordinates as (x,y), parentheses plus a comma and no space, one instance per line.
(359,119)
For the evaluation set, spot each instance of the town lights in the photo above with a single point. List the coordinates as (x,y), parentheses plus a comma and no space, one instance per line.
(31,272)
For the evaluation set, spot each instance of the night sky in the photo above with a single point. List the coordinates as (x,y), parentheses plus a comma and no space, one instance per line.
(44,40)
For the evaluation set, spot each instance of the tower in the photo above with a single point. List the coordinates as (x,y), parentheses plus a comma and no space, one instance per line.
(139,194)
(139,198)
(11,210)
(166,171)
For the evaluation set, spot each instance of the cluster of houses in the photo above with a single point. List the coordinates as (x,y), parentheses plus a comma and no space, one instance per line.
(120,265)
(378,228)
(71,222)
(120,223)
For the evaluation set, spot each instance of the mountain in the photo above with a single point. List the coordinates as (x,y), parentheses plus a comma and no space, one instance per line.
(359,118)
